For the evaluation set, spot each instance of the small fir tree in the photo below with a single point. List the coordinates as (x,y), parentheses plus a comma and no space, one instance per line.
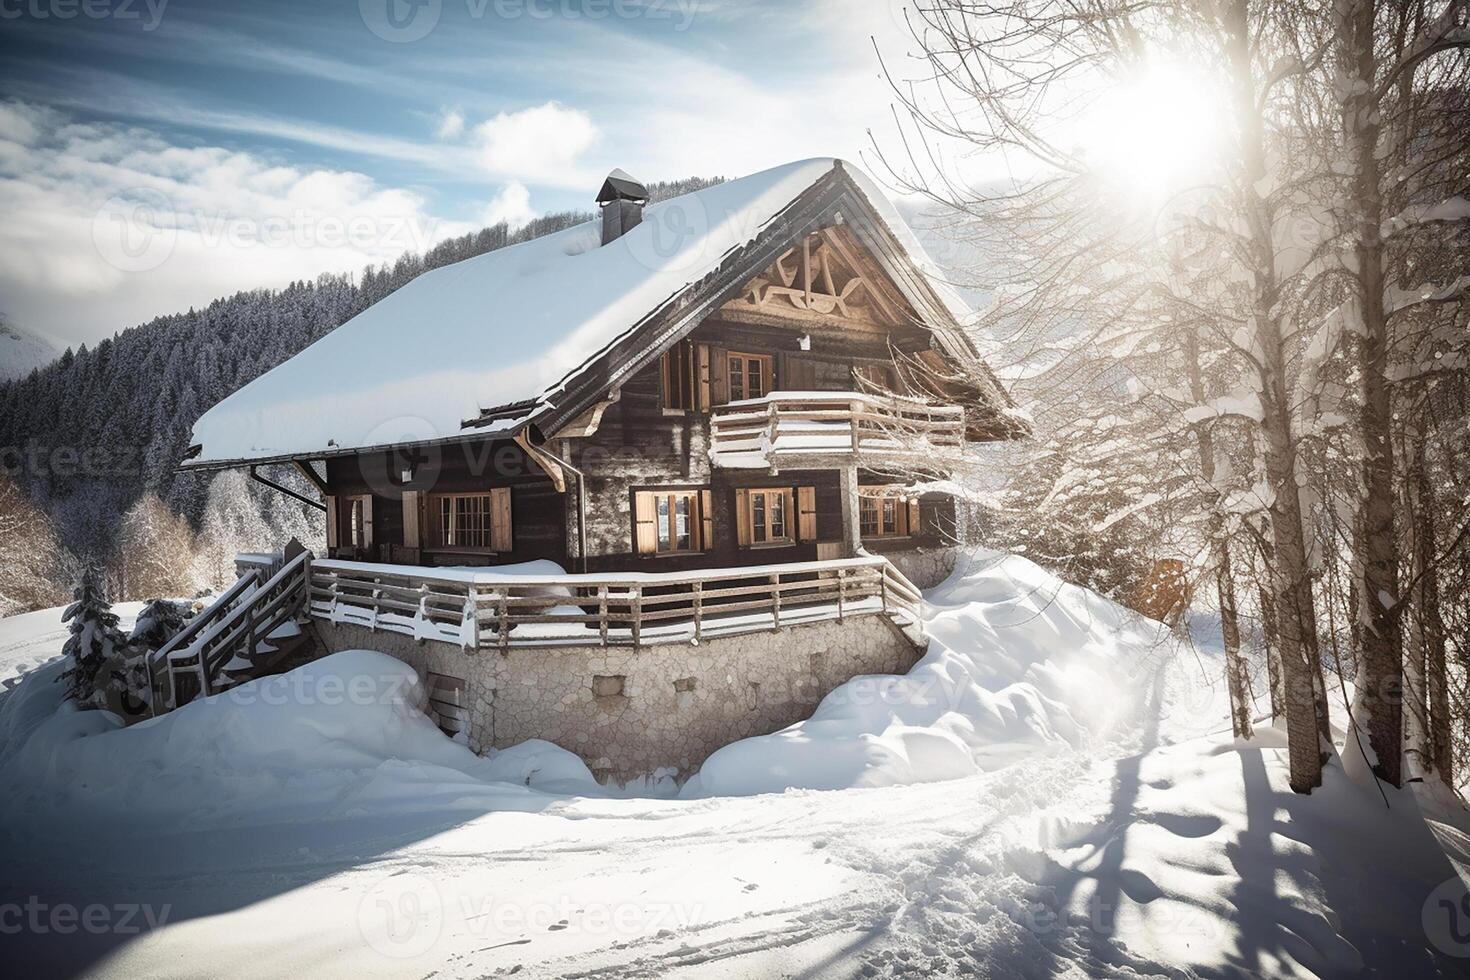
(97,650)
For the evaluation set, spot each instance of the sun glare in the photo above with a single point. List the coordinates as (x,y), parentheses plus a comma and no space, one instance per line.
(1156,132)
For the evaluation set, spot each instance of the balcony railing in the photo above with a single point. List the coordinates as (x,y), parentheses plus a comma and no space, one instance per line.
(487,609)
(786,426)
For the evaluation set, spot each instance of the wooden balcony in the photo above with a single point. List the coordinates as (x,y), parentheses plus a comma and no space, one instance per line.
(804,428)
(487,608)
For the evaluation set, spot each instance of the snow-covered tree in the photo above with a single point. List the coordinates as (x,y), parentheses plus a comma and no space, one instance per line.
(155,552)
(96,651)
(34,567)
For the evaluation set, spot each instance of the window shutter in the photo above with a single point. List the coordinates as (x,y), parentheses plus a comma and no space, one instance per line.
(702,374)
(707,520)
(411,532)
(788,508)
(914,516)
(742,518)
(501,538)
(331,521)
(645,523)
(719,375)
(806,525)
(367,521)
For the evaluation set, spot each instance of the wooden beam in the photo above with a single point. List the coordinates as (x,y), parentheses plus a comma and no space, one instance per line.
(548,465)
(305,468)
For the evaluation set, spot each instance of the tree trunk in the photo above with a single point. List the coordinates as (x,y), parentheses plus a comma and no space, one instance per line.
(1426,647)
(1273,652)
(1236,676)
(1380,671)
(1291,586)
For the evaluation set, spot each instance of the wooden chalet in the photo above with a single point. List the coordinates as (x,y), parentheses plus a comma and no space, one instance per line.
(758,373)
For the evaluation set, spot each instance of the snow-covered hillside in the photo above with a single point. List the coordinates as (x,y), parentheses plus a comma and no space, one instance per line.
(1098,821)
(21,351)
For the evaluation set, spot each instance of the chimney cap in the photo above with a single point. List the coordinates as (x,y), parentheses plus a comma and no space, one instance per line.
(621,186)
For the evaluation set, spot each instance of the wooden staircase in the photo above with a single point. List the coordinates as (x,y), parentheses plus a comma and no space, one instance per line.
(253,629)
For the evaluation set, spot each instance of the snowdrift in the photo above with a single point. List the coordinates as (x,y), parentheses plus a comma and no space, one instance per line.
(1019,662)
(340,736)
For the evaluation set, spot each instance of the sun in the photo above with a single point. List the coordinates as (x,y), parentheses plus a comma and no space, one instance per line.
(1156,131)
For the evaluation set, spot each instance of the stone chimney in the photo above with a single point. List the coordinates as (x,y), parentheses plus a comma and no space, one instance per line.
(621,199)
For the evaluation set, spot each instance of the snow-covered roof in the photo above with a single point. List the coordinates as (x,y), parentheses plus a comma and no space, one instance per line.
(506,328)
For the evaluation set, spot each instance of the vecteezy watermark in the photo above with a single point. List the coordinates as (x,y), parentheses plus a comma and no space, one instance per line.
(148,12)
(1446,918)
(138,230)
(41,918)
(403,915)
(404,21)
(34,460)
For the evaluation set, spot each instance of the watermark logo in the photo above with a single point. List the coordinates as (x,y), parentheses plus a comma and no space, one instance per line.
(133,230)
(1446,918)
(401,916)
(401,21)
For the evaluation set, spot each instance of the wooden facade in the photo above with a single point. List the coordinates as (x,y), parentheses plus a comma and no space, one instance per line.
(655,499)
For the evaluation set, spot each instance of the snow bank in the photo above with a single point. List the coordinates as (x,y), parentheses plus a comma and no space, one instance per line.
(1019,662)
(341,736)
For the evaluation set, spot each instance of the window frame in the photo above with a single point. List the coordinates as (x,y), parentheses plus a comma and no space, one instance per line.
(679,378)
(436,507)
(668,524)
(882,507)
(357,521)
(785,498)
(766,363)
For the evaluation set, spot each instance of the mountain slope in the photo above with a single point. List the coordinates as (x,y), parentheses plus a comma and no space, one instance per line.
(21,351)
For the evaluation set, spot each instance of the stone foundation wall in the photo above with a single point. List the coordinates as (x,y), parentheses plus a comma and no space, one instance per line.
(925,567)
(630,713)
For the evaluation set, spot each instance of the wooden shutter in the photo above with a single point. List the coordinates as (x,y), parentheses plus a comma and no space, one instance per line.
(914,516)
(806,525)
(411,532)
(331,521)
(788,507)
(706,520)
(501,537)
(702,377)
(367,521)
(742,518)
(719,362)
(645,523)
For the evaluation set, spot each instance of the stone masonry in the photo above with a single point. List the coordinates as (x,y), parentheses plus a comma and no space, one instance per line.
(630,713)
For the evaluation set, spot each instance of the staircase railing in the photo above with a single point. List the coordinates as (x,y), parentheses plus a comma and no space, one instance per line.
(234,624)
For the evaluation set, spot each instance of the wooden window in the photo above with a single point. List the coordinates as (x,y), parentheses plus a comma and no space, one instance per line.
(357,513)
(765,517)
(680,367)
(671,522)
(876,377)
(883,513)
(473,521)
(749,374)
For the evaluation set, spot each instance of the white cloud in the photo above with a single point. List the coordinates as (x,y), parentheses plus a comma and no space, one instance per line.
(542,143)
(451,124)
(512,205)
(107,226)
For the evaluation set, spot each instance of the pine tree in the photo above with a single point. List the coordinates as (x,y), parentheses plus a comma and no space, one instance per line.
(97,650)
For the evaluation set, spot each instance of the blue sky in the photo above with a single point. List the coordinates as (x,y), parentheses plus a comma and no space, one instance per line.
(155,155)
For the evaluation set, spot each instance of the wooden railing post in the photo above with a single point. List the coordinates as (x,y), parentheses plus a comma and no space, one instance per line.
(855,408)
(841,593)
(602,613)
(698,611)
(776,602)
(637,615)
(503,617)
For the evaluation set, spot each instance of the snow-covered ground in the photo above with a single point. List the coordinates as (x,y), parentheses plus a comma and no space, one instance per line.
(1053,791)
